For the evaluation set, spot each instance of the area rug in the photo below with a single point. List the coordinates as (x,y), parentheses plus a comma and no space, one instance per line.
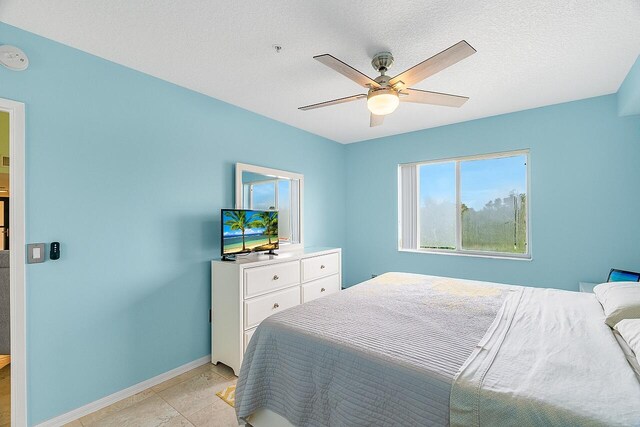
(228,395)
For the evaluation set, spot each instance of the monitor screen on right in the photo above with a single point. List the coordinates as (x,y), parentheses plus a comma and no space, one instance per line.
(623,276)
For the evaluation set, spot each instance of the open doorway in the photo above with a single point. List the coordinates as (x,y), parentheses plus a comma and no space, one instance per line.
(5,288)
(13,391)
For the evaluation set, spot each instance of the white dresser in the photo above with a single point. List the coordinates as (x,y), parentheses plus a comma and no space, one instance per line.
(246,291)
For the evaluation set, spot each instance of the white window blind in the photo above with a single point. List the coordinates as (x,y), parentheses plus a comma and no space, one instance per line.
(408,203)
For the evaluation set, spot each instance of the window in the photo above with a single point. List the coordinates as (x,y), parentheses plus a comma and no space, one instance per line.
(471,205)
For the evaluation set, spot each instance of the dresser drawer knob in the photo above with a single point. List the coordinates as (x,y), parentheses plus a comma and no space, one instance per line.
(322,266)
(322,289)
(275,277)
(276,305)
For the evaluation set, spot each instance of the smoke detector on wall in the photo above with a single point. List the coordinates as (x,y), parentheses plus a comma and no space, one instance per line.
(13,58)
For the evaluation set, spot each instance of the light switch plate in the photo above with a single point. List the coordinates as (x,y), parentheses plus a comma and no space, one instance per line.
(35,253)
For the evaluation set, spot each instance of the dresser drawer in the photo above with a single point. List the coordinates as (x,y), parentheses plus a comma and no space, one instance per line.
(321,287)
(247,337)
(258,309)
(259,280)
(320,266)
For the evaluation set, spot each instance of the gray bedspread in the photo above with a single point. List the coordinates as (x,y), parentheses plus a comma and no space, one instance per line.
(381,353)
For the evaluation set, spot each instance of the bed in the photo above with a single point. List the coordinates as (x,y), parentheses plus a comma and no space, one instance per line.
(407,349)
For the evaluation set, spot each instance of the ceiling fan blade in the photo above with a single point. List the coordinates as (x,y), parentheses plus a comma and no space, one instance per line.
(333,102)
(375,120)
(433,98)
(346,70)
(433,65)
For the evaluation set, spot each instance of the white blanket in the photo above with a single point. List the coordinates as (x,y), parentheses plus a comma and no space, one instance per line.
(548,359)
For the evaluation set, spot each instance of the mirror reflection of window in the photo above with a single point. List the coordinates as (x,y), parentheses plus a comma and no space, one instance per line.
(284,211)
(261,188)
(246,200)
(264,193)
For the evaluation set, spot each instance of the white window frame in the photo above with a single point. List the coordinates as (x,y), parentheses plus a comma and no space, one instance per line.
(459,251)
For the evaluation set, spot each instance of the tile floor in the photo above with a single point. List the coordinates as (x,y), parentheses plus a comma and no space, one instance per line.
(5,396)
(186,400)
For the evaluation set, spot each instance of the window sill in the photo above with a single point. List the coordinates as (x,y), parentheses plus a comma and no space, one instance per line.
(469,254)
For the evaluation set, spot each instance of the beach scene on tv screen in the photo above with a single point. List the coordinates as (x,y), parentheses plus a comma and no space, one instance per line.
(249,231)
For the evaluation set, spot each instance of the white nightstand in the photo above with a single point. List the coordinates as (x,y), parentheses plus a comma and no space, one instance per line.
(587,287)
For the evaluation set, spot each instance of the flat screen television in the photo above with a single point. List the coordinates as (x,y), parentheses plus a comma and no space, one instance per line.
(616,275)
(245,231)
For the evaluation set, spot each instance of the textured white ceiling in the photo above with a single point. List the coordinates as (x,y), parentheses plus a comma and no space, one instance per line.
(530,53)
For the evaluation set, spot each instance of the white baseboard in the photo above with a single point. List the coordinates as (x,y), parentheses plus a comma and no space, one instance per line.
(122,394)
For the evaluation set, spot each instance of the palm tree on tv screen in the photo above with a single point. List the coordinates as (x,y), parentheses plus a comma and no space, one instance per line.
(268,221)
(239,221)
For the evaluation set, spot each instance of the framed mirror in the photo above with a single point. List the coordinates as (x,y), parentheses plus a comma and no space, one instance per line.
(261,188)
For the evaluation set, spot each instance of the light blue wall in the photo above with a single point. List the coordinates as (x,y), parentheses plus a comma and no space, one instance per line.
(129,172)
(584,195)
(629,92)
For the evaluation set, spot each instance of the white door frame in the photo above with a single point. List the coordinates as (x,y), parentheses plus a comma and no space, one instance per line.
(17,268)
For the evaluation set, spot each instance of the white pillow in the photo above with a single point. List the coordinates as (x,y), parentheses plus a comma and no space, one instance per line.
(628,353)
(620,300)
(629,330)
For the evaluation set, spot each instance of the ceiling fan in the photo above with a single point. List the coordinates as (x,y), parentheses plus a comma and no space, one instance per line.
(385,93)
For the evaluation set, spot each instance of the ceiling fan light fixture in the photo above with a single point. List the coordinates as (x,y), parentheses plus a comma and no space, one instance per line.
(383,96)
(382,101)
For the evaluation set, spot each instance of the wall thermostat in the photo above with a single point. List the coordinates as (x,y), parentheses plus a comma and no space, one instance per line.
(54,251)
